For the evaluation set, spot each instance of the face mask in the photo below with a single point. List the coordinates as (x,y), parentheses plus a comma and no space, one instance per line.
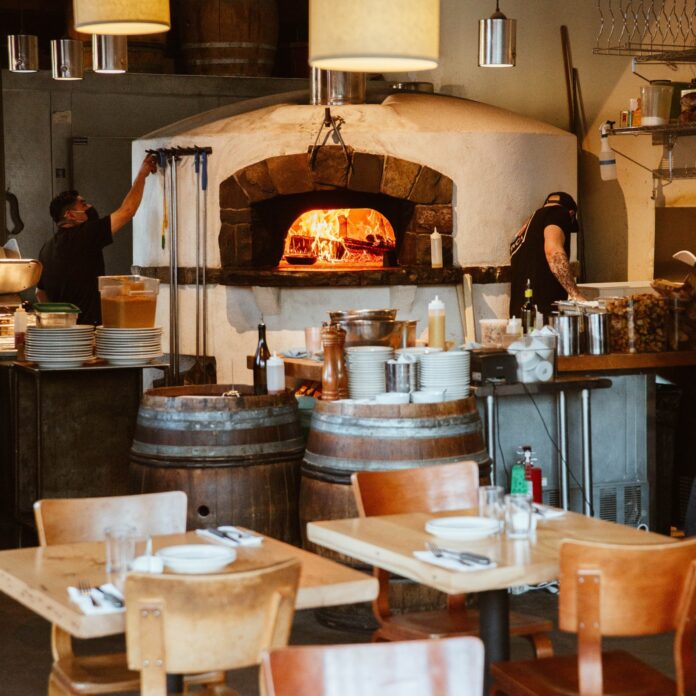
(92,213)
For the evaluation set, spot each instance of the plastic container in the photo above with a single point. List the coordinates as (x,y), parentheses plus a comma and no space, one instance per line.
(493,331)
(536,357)
(56,315)
(436,249)
(128,302)
(656,100)
(638,323)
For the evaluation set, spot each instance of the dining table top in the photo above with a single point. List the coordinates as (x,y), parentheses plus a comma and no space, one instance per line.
(38,578)
(389,541)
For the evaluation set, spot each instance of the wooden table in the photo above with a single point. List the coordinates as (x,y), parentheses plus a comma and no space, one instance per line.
(389,542)
(38,578)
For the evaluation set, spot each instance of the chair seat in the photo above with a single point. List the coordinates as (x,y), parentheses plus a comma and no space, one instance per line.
(96,674)
(441,623)
(624,675)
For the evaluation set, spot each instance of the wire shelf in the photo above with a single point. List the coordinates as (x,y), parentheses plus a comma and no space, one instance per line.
(650,30)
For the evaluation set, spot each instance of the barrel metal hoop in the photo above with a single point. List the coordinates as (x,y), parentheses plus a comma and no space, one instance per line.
(211,420)
(336,470)
(196,459)
(389,428)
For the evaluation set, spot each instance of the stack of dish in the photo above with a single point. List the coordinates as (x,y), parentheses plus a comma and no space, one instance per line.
(129,346)
(448,370)
(366,376)
(66,347)
(415,352)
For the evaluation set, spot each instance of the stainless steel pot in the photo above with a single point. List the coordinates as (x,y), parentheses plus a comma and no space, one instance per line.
(362,314)
(568,328)
(378,332)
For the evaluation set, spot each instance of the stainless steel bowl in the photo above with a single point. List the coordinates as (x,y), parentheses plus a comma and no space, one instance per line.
(378,332)
(362,314)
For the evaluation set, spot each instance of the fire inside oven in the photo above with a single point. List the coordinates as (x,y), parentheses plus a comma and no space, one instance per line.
(355,237)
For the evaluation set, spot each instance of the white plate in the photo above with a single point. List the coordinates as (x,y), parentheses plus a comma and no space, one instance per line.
(59,364)
(461,527)
(196,558)
(130,362)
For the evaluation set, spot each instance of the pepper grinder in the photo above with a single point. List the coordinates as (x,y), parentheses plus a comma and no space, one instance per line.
(333,375)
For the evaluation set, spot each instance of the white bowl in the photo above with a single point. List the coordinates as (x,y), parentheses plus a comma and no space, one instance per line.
(196,558)
(428,396)
(392,398)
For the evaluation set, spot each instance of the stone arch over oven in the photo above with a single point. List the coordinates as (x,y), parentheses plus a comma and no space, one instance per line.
(256,199)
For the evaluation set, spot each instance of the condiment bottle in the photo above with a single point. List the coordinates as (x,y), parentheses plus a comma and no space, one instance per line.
(528,309)
(436,249)
(20,331)
(436,323)
(514,327)
(260,361)
(275,374)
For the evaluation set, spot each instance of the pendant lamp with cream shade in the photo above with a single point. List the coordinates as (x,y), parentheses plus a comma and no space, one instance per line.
(371,36)
(131,17)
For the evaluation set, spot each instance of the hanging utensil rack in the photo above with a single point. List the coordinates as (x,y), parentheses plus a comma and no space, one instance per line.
(653,31)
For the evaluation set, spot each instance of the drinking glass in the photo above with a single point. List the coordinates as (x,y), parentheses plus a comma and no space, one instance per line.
(312,340)
(490,502)
(518,515)
(120,552)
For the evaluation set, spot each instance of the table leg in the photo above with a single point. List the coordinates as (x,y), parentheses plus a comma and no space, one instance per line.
(563,445)
(586,452)
(494,629)
(490,433)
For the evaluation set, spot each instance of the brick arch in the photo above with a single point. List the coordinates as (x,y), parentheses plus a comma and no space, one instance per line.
(244,241)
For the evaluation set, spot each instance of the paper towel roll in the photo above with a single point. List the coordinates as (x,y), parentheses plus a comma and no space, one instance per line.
(543,371)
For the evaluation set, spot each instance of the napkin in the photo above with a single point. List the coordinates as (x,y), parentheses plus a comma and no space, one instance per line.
(450,563)
(295,353)
(104,606)
(544,512)
(245,538)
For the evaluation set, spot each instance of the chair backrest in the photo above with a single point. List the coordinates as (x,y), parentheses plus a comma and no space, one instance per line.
(634,589)
(72,520)
(446,667)
(423,489)
(197,623)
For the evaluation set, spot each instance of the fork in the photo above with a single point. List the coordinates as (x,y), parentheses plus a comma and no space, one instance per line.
(85,589)
(464,557)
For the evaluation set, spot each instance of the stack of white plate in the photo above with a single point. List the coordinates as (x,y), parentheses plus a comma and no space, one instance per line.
(366,376)
(64,347)
(450,370)
(129,346)
(415,352)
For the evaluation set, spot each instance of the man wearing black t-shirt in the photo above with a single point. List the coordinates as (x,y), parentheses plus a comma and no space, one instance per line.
(540,252)
(73,258)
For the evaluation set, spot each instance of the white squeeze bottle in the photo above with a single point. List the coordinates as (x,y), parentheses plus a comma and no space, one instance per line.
(275,374)
(436,249)
(436,323)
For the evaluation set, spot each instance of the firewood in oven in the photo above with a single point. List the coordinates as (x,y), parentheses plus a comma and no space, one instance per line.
(377,244)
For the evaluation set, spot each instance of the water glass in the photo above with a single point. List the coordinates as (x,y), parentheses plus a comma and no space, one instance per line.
(312,340)
(120,552)
(490,502)
(518,515)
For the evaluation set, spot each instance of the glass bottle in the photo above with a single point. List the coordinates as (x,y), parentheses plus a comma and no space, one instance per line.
(528,309)
(260,360)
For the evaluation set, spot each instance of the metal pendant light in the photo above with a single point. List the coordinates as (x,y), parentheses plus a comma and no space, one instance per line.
(23,52)
(109,53)
(369,36)
(67,59)
(130,17)
(497,41)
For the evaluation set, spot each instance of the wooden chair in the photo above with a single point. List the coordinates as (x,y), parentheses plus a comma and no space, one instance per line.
(185,624)
(448,667)
(72,520)
(615,590)
(432,489)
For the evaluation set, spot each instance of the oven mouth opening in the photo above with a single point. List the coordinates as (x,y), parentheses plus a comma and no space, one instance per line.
(338,238)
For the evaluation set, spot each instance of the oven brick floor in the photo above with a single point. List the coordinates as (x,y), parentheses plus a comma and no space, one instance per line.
(25,657)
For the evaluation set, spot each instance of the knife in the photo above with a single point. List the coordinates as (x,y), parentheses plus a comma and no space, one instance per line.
(223,535)
(463,556)
(112,598)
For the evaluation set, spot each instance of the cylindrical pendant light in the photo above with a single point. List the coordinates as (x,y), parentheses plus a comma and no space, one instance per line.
(23,52)
(67,59)
(109,53)
(121,16)
(369,36)
(497,41)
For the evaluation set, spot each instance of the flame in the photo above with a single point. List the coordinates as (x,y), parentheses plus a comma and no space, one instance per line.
(340,236)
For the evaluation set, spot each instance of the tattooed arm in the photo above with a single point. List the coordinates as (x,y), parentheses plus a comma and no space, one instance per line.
(558,261)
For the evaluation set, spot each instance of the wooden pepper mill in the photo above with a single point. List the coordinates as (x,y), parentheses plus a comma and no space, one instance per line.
(334,379)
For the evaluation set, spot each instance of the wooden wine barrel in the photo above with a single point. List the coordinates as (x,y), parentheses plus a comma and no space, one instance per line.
(228,37)
(348,437)
(237,459)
